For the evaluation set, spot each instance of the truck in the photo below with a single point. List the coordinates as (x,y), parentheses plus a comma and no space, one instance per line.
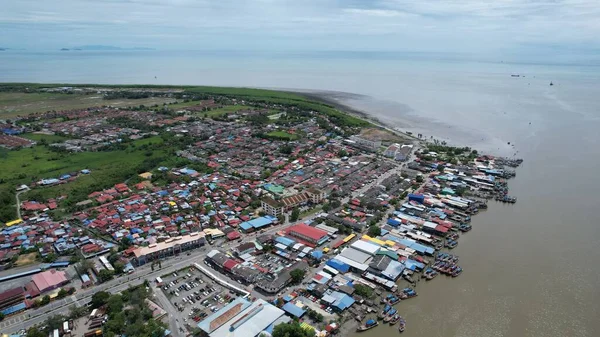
(94,333)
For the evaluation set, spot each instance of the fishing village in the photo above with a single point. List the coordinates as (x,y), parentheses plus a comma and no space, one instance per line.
(243,217)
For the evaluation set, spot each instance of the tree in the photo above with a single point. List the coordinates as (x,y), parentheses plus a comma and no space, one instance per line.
(335,203)
(99,299)
(105,275)
(374,231)
(419,179)
(342,153)
(295,215)
(50,258)
(85,265)
(1,316)
(45,300)
(363,290)
(35,332)
(297,276)
(326,207)
(62,293)
(76,312)
(119,268)
(292,329)
(115,304)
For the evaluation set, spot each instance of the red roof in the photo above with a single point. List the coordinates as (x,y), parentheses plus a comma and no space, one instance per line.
(229,264)
(11,293)
(305,230)
(233,235)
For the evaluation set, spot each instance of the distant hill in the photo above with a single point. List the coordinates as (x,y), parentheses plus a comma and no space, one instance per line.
(107,48)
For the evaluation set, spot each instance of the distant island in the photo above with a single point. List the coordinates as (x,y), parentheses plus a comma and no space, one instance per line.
(104,48)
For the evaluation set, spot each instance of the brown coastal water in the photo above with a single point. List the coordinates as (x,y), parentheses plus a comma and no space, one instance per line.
(530,269)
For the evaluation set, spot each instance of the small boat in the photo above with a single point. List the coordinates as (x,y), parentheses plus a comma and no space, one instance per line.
(370,324)
(401,325)
(384,312)
(395,319)
(394,300)
(410,292)
(457,272)
(430,274)
(390,315)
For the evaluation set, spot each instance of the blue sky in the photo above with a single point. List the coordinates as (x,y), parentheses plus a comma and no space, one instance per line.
(483,26)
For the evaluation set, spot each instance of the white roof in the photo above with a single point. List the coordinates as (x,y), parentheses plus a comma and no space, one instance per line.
(356,255)
(429,224)
(250,322)
(352,263)
(366,247)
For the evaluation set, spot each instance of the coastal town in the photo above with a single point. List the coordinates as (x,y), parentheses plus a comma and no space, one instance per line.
(226,214)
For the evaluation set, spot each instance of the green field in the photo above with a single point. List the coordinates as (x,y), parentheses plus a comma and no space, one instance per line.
(108,168)
(282,135)
(13,104)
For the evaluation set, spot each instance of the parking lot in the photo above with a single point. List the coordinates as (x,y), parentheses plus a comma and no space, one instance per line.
(194,295)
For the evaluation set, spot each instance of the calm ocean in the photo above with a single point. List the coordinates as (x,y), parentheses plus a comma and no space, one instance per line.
(531,269)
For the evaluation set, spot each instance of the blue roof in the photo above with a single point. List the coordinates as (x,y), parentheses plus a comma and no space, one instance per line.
(287,298)
(293,309)
(338,265)
(413,265)
(245,226)
(344,302)
(317,254)
(284,241)
(14,308)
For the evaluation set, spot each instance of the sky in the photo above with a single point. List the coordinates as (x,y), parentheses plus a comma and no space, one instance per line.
(452,26)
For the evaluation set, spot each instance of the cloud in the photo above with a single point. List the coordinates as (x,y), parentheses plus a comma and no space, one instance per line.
(439,25)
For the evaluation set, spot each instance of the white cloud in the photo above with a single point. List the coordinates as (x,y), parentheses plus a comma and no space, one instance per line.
(304,24)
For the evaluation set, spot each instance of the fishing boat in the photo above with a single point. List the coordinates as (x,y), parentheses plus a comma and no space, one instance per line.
(390,315)
(370,324)
(395,319)
(401,325)
(430,274)
(457,272)
(410,292)
(394,300)
(464,227)
(384,312)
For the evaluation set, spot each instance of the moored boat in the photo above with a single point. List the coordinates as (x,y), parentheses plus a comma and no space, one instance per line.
(370,324)
(390,315)
(401,324)
(395,319)
(384,312)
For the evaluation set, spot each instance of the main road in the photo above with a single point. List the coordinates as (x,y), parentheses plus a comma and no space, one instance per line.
(83,296)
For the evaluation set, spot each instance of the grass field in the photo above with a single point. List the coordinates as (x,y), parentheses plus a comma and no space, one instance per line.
(13,104)
(31,164)
(26,259)
(282,135)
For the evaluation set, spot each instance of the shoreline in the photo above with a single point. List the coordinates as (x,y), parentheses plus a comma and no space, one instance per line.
(329,99)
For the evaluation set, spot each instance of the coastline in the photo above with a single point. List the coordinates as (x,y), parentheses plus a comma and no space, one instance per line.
(329,98)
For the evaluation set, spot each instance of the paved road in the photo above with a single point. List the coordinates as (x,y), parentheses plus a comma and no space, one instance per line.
(83,296)
(174,324)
